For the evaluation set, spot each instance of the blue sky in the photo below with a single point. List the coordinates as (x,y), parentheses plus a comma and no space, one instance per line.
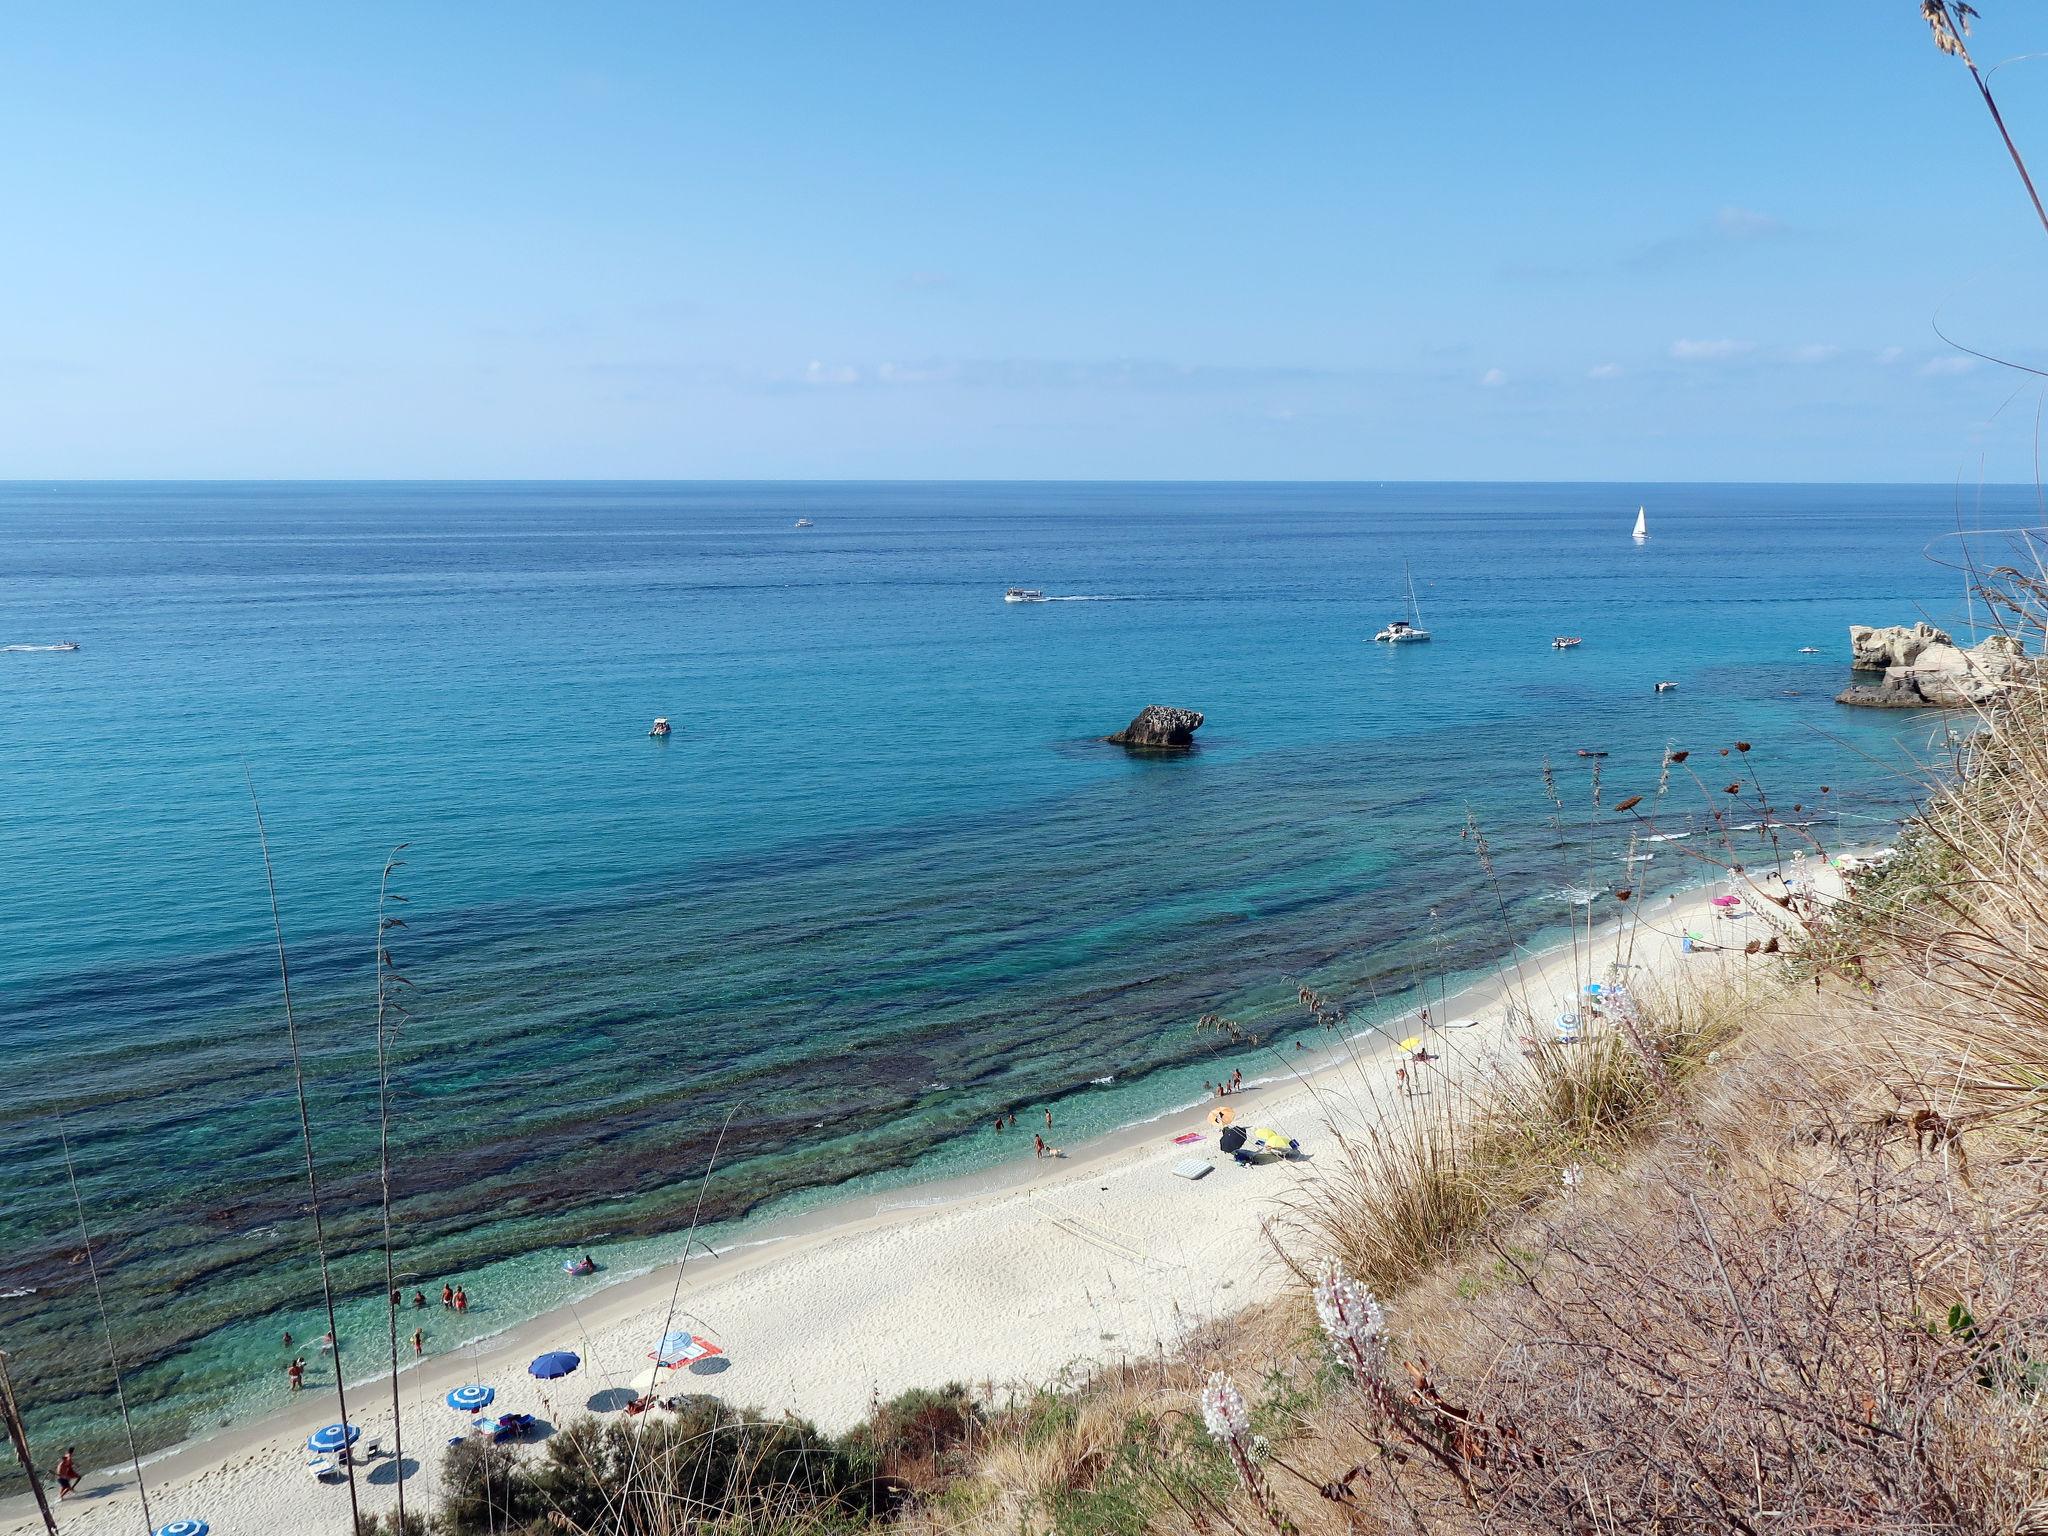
(1311,241)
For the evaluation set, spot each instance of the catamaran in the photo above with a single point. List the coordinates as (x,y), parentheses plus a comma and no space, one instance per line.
(1642,525)
(1409,630)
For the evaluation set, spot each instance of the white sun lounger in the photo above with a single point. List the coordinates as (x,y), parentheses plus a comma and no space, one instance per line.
(1192,1167)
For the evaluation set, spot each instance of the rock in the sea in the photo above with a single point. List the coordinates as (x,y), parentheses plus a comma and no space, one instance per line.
(1924,669)
(1157,725)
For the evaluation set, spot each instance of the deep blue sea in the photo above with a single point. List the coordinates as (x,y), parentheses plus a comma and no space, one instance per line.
(883,881)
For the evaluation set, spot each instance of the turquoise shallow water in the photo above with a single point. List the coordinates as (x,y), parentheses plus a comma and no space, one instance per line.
(882,882)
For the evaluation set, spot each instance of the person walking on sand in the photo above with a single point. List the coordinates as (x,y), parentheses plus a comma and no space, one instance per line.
(295,1373)
(447,1295)
(419,1342)
(67,1473)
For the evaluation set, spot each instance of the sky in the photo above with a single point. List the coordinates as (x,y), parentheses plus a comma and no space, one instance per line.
(1501,240)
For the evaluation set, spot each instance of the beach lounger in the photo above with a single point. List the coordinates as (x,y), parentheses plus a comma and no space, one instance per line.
(321,1469)
(1191,1168)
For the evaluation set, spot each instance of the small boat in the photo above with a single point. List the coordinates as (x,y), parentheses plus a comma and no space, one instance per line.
(1666,687)
(65,645)
(660,726)
(1024,595)
(1809,650)
(1642,528)
(805,522)
(1592,752)
(1407,631)
(1565,642)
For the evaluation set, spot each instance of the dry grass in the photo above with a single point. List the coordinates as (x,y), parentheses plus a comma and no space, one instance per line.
(1426,1178)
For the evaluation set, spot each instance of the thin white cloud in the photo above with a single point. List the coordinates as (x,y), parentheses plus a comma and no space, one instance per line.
(1890,355)
(1733,223)
(1815,352)
(1688,351)
(1946,367)
(1604,371)
(1493,378)
(830,374)
(1729,226)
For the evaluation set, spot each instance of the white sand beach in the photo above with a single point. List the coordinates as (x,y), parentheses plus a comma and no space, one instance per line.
(1099,1255)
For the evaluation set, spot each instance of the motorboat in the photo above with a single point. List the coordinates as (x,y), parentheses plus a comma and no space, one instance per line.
(805,522)
(1666,687)
(1565,642)
(661,726)
(1024,595)
(1809,650)
(1409,630)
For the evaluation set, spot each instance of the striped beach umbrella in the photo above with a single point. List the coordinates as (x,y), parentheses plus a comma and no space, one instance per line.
(330,1438)
(184,1528)
(555,1363)
(470,1399)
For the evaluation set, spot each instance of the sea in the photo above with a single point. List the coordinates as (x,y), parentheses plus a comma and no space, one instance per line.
(882,883)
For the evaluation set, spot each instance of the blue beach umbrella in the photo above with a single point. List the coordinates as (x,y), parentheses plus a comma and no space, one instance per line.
(470,1399)
(674,1344)
(333,1437)
(553,1364)
(184,1528)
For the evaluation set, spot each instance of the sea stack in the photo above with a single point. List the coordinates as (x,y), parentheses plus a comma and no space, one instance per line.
(1922,668)
(1159,726)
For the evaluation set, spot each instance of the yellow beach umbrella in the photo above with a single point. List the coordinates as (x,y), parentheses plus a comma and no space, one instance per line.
(1412,1043)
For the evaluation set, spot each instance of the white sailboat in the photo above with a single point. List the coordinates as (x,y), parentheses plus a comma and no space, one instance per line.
(1642,525)
(1409,630)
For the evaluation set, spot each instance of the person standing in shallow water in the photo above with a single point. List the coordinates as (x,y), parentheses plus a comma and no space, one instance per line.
(419,1342)
(447,1295)
(461,1299)
(1048,1119)
(295,1373)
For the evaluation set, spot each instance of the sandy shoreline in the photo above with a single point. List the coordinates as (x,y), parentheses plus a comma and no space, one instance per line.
(1048,1268)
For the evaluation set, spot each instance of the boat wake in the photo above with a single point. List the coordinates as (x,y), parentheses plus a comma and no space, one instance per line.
(1097,598)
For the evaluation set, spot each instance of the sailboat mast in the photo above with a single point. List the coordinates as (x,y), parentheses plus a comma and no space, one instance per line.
(1414,608)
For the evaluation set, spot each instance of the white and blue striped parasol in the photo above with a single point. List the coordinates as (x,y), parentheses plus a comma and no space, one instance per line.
(470,1399)
(184,1528)
(333,1437)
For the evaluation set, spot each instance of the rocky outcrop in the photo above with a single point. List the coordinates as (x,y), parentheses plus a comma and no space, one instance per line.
(1158,726)
(1922,668)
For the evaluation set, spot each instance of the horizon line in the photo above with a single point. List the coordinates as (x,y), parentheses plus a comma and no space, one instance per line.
(200,480)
